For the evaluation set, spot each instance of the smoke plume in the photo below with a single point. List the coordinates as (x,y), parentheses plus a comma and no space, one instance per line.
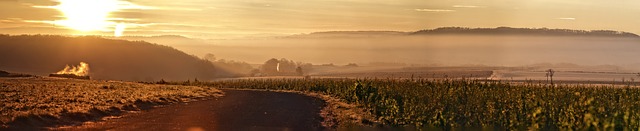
(80,70)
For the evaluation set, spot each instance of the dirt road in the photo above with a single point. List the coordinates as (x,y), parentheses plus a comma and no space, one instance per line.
(237,110)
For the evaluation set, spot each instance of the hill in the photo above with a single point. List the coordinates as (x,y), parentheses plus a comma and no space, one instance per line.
(523,31)
(107,58)
(9,74)
(171,40)
(468,31)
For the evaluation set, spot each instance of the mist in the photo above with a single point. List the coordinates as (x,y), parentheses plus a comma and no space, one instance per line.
(445,50)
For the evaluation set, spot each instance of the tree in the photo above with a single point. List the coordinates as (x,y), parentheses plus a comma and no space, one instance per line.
(269,67)
(549,75)
(255,72)
(231,67)
(284,67)
(210,57)
(299,71)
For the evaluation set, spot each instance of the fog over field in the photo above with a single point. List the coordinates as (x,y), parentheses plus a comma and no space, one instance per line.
(443,50)
(500,51)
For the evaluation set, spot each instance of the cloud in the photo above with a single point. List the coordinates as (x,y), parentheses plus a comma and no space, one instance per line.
(434,10)
(121,5)
(566,18)
(11,20)
(467,6)
(124,19)
(176,8)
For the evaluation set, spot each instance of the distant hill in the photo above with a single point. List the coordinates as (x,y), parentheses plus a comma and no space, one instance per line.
(107,58)
(523,31)
(468,31)
(348,34)
(9,74)
(163,37)
(169,40)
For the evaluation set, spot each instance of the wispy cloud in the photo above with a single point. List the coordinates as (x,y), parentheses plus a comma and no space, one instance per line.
(10,20)
(434,10)
(126,5)
(566,18)
(8,0)
(177,8)
(468,6)
(121,5)
(124,19)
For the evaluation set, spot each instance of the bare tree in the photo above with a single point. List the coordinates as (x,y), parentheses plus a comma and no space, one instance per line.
(634,83)
(549,75)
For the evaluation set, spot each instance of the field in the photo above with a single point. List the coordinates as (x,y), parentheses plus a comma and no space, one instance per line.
(583,77)
(45,102)
(402,72)
(463,103)
(592,75)
(423,98)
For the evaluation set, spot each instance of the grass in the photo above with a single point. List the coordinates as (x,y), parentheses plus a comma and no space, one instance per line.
(461,104)
(44,102)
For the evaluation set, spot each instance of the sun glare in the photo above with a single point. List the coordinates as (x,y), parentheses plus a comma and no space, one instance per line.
(119,29)
(86,15)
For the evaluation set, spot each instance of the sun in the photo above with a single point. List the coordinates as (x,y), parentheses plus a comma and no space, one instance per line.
(86,15)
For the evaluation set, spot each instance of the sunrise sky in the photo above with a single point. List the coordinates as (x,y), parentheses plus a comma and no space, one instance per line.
(254,18)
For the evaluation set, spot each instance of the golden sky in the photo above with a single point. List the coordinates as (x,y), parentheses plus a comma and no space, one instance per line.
(251,18)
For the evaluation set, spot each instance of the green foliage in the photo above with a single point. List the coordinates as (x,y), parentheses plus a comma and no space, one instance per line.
(455,104)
